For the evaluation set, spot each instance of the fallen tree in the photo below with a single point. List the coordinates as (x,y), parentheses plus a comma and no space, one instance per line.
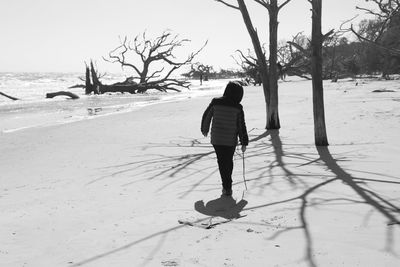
(152,61)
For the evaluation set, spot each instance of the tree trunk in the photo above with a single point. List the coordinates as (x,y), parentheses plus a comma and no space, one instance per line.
(273,115)
(96,82)
(144,73)
(316,72)
(118,89)
(88,83)
(262,64)
(331,75)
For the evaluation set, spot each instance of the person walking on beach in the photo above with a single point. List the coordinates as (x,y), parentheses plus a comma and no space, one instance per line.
(228,123)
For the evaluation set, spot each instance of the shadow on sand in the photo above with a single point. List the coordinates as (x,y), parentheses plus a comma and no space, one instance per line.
(288,159)
(363,194)
(224,207)
(219,211)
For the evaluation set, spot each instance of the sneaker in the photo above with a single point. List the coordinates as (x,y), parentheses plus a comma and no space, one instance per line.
(227,192)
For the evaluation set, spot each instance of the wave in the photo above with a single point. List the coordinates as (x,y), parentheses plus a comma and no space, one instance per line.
(37,111)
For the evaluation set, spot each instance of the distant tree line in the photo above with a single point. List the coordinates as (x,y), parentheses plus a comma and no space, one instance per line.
(380,37)
(341,57)
(375,51)
(204,72)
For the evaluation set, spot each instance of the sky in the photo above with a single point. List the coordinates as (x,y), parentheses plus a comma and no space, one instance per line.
(61,35)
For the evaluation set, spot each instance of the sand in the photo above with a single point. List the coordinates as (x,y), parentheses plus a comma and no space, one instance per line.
(111,191)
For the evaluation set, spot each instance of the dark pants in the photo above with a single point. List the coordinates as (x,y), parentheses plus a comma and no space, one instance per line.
(225,164)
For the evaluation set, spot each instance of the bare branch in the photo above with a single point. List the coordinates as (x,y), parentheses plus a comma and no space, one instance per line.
(248,59)
(392,51)
(10,97)
(118,56)
(284,4)
(371,12)
(326,35)
(237,62)
(341,28)
(387,11)
(263,3)
(386,8)
(155,74)
(188,59)
(137,47)
(227,4)
(298,47)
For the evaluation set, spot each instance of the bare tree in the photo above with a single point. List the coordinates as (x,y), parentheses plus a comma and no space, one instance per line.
(383,31)
(388,11)
(249,65)
(320,135)
(157,52)
(295,56)
(273,10)
(269,76)
(261,60)
(330,42)
(386,18)
(201,70)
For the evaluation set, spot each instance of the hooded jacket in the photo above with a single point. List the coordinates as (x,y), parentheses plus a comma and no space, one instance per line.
(227,117)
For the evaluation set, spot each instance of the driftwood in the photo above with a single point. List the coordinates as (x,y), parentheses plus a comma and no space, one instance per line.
(383,91)
(65,93)
(10,97)
(77,86)
(127,86)
(119,88)
(135,88)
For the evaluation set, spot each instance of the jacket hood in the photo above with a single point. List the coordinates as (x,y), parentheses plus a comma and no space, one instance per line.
(233,92)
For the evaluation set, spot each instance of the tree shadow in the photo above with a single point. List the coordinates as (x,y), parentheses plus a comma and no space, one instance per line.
(169,169)
(377,201)
(288,160)
(277,169)
(384,205)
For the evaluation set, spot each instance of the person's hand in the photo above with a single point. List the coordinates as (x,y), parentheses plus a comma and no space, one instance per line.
(205,134)
(243,148)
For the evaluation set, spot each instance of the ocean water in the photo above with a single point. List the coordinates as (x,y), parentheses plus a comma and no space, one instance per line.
(34,110)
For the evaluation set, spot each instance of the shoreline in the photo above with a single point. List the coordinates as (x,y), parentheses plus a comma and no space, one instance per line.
(26,114)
